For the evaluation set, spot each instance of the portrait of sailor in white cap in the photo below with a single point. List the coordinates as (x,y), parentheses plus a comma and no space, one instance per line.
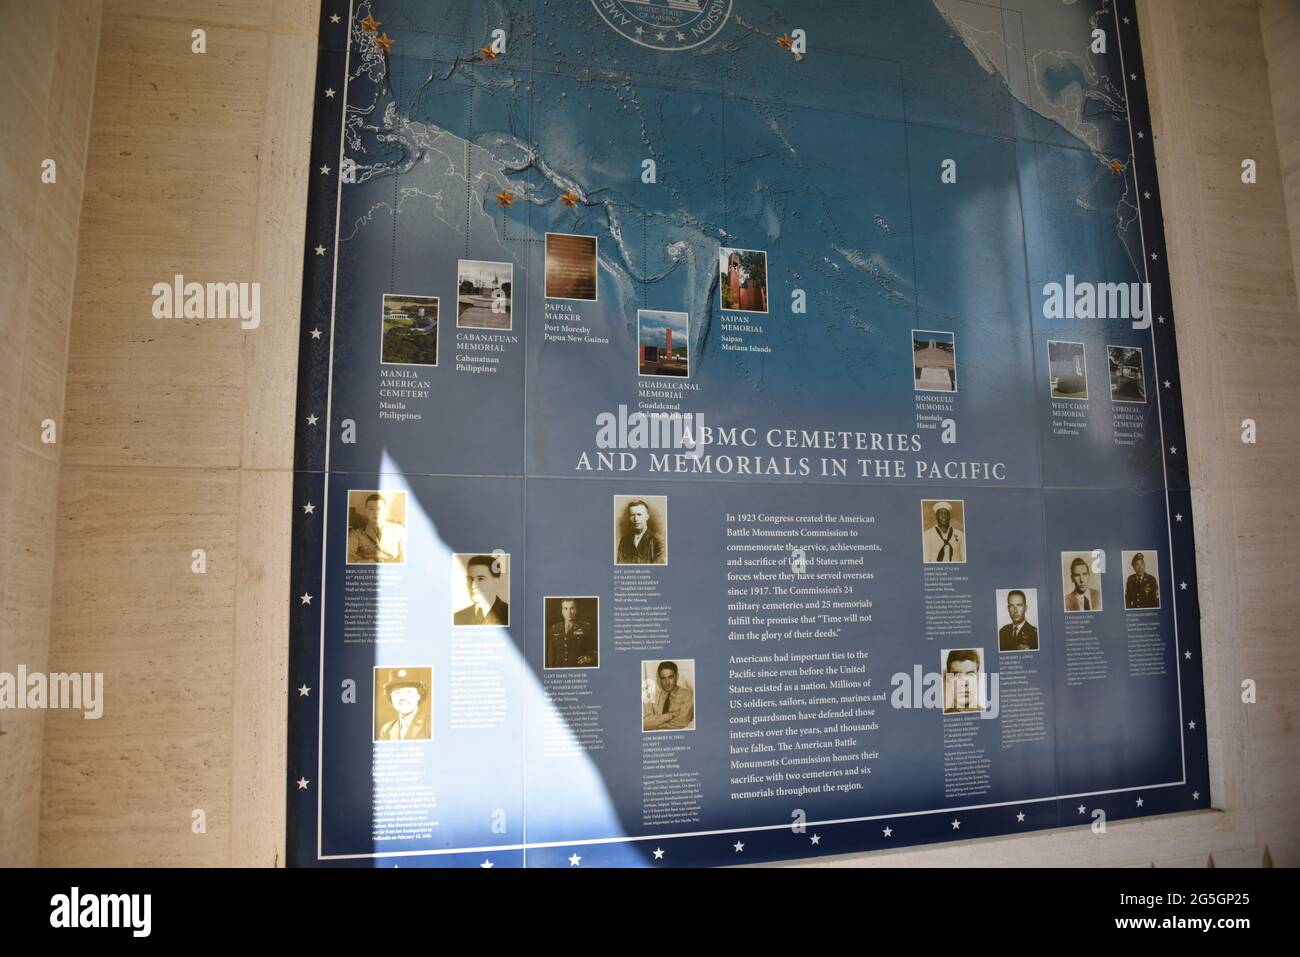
(943,541)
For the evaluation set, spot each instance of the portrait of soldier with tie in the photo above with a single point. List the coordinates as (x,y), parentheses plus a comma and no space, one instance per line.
(402,708)
(1018,619)
(572,632)
(1081,592)
(640,530)
(376,528)
(668,695)
(483,581)
(943,531)
(963,680)
(1142,587)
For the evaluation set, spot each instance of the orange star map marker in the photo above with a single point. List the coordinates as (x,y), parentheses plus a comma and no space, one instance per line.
(506,199)
(384,42)
(488,53)
(785,41)
(1116,167)
(370,24)
(569,198)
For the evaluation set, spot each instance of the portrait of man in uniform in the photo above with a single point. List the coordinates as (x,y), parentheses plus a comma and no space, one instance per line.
(483,580)
(1142,588)
(640,530)
(402,710)
(668,695)
(1080,595)
(943,531)
(1019,633)
(961,680)
(376,532)
(572,639)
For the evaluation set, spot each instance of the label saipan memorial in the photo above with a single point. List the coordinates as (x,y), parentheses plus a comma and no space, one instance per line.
(730,433)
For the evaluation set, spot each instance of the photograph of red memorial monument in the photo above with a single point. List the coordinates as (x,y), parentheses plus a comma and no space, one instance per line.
(662,339)
(743,279)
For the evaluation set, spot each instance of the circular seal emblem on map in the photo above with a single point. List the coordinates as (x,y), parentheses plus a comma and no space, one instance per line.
(665,24)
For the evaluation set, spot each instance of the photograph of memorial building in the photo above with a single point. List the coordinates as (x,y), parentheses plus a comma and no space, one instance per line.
(483,294)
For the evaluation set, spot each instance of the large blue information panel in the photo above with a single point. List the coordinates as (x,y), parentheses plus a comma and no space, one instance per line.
(734,431)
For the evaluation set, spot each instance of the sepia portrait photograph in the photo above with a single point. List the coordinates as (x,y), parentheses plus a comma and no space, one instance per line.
(963,680)
(1081,579)
(403,709)
(572,628)
(1142,578)
(480,589)
(943,531)
(376,527)
(668,694)
(1017,610)
(640,530)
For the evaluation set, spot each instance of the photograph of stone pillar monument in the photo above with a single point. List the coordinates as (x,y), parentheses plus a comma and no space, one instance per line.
(663,343)
(742,285)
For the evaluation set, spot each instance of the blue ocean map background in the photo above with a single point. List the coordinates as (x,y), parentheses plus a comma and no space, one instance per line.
(907,167)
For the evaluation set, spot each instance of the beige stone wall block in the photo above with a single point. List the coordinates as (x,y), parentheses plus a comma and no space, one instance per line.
(1280,23)
(173,149)
(38,227)
(179,682)
(30,503)
(1267,463)
(128,605)
(261,696)
(26,50)
(123,558)
(127,801)
(42,404)
(15,261)
(271,352)
(73,79)
(20,171)
(1269,603)
(173,399)
(48,311)
(251,15)
(20,789)
(173,191)
(301,17)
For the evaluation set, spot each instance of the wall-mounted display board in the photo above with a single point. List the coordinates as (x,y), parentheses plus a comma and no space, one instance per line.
(734,431)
